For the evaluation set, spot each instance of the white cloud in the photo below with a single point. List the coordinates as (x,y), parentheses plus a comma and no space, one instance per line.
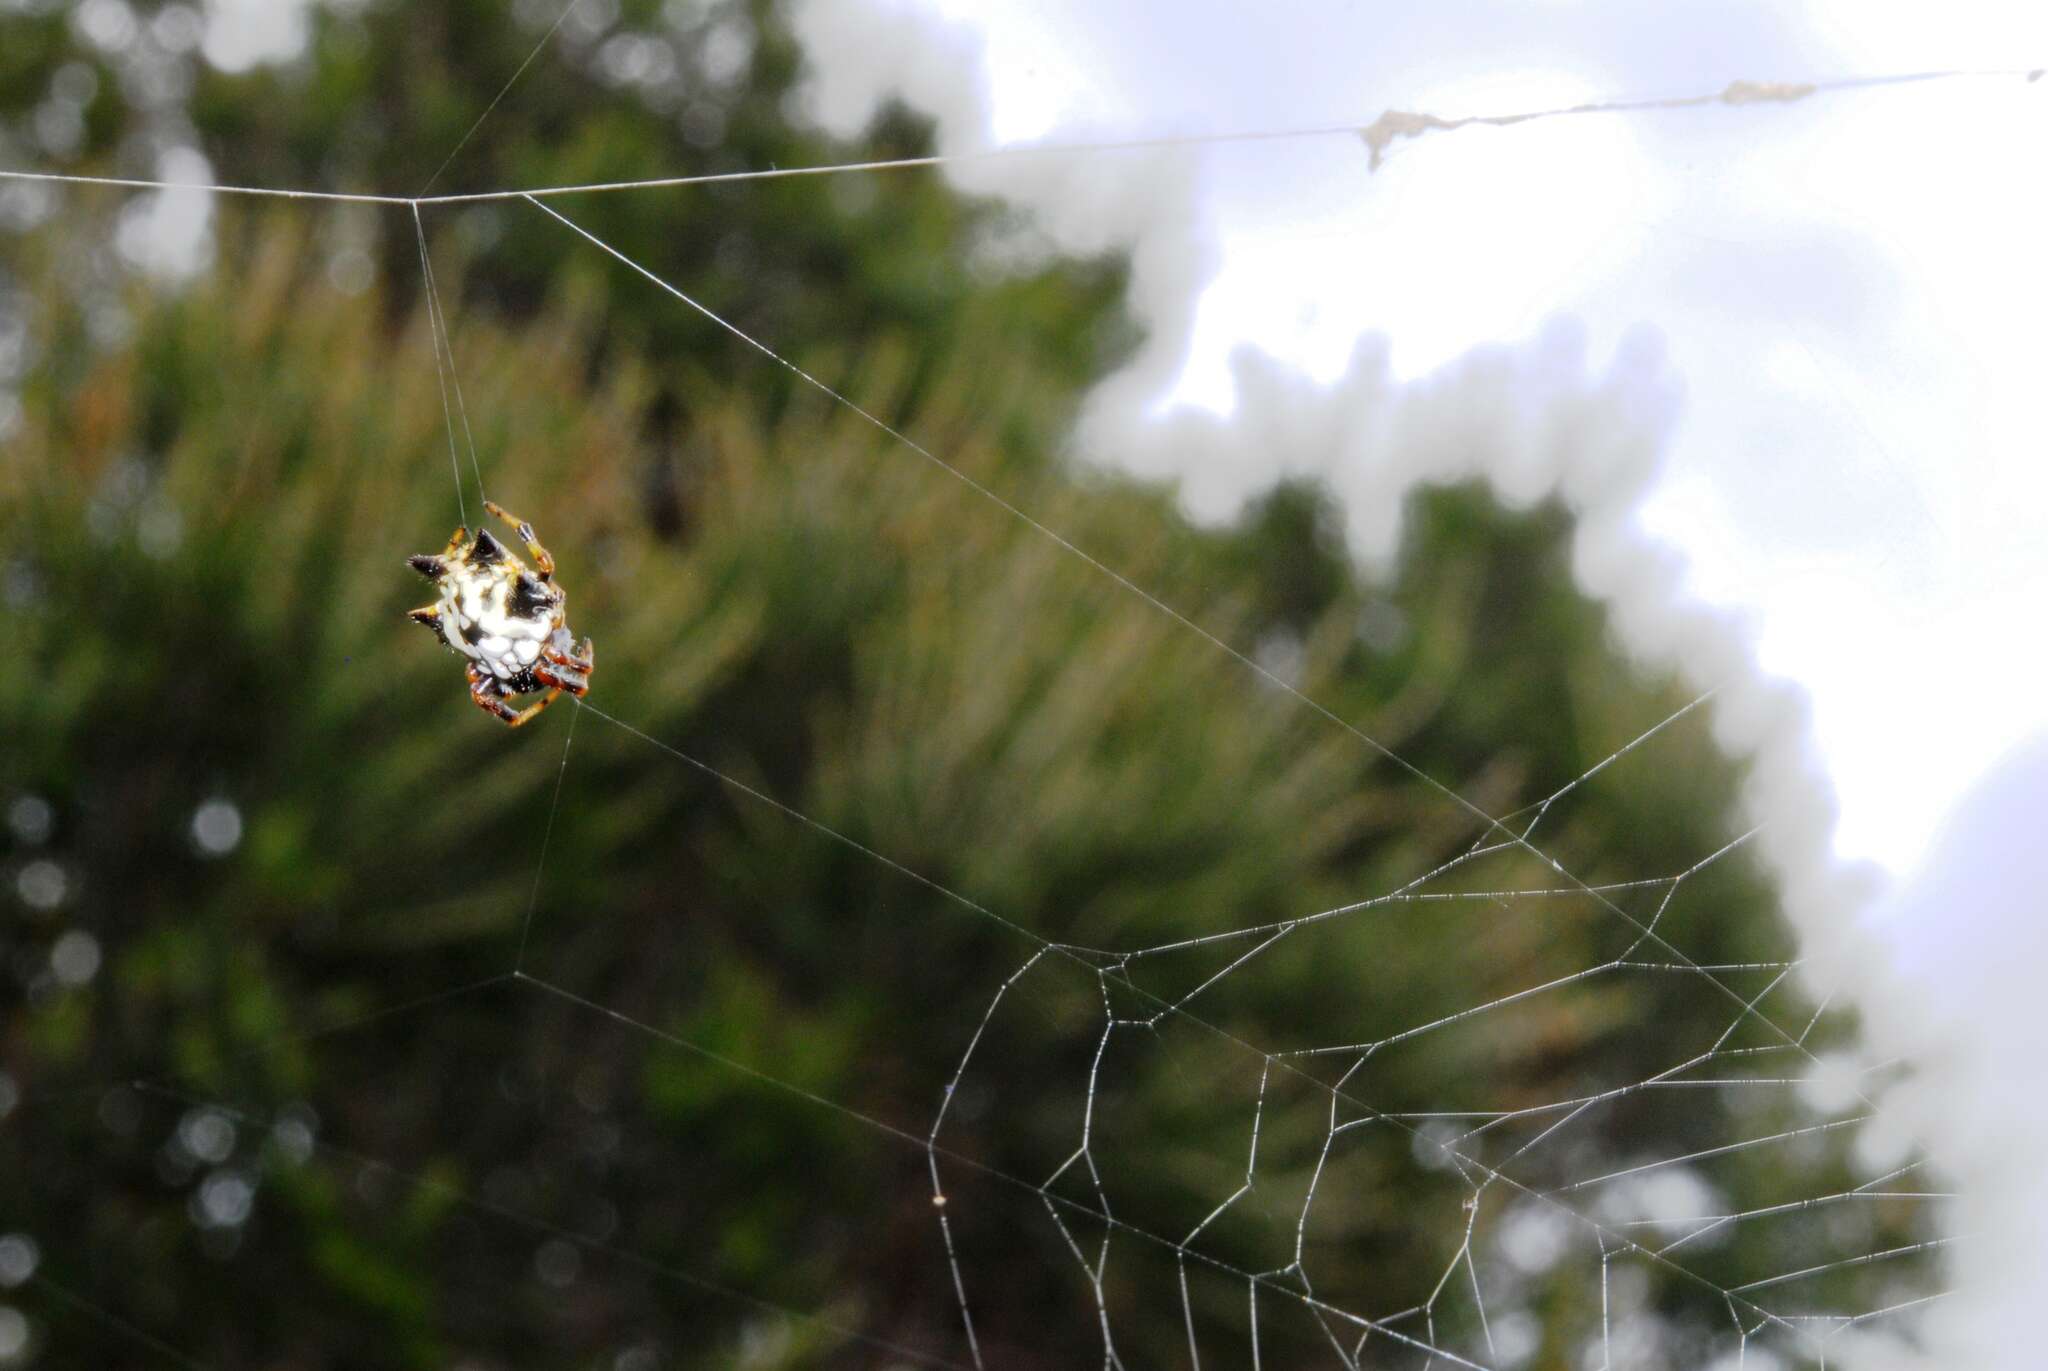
(1971,930)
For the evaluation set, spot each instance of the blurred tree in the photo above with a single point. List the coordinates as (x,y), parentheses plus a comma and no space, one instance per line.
(287,869)
(386,97)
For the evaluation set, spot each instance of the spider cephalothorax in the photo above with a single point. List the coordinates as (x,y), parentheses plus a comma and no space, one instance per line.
(506,619)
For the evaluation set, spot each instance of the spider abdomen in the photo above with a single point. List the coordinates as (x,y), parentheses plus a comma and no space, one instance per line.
(482,623)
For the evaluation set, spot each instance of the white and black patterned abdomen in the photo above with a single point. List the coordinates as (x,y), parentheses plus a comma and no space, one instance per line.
(497,623)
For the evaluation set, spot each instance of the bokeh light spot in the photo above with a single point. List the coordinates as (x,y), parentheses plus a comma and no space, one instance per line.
(75,959)
(13,1334)
(31,819)
(207,1134)
(18,1258)
(225,1200)
(217,828)
(42,885)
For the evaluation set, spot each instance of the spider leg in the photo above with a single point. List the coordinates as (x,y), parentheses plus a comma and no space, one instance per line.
(484,690)
(536,707)
(567,671)
(582,658)
(455,541)
(561,678)
(543,561)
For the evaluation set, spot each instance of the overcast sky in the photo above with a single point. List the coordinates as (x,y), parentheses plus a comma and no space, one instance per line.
(1849,289)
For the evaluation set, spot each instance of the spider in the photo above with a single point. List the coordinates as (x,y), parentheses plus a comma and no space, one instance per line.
(506,619)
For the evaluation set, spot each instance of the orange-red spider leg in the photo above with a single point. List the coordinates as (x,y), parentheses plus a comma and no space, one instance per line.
(567,672)
(536,707)
(484,691)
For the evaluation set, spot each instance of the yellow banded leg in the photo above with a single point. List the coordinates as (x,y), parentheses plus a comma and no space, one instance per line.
(542,561)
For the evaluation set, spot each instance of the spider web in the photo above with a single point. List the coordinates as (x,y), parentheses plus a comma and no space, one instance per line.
(1325,1140)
